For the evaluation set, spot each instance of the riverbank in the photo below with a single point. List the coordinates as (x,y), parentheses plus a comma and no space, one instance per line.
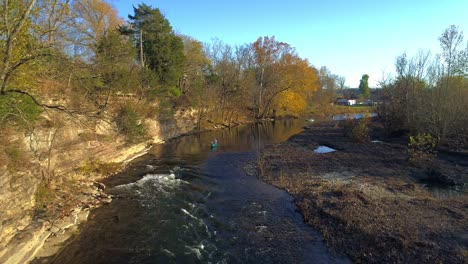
(64,207)
(366,198)
(92,195)
(52,181)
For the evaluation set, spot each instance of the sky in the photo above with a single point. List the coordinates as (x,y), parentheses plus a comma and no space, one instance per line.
(350,38)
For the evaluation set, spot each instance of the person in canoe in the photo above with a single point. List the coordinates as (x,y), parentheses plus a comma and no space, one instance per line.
(214,143)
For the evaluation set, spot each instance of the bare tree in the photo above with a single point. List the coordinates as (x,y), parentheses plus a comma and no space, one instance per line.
(450,41)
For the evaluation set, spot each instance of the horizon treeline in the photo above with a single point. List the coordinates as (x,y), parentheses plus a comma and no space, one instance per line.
(429,94)
(80,57)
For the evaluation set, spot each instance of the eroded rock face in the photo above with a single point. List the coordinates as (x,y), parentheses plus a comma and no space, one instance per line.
(17,194)
(58,153)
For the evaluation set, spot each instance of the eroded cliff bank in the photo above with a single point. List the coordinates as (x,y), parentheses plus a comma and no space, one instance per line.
(49,182)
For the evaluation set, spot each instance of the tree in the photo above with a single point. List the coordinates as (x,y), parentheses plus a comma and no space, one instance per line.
(14,51)
(92,20)
(364,86)
(450,41)
(430,96)
(268,52)
(341,80)
(113,65)
(299,81)
(160,49)
(227,78)
(278,69)
(196,62)
(25,46)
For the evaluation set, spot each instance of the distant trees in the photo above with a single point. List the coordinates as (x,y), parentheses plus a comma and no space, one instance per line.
(225,80)
(364,86)
(341,80)
(430,95)
(81,54)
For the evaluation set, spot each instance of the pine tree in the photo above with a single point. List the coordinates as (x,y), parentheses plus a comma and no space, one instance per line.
(364,86)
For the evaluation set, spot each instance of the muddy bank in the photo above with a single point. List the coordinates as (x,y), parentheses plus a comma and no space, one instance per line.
(366,198)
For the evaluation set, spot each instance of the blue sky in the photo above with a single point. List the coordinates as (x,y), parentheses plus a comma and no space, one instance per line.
(349,37)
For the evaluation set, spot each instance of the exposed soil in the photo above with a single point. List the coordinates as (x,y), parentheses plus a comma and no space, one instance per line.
(366,198)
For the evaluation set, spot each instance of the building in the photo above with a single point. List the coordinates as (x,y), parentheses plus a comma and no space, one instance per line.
(343,101)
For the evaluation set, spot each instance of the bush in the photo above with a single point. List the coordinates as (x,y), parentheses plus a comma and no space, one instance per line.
(357,129)
(129,124)
(97,166)
(12,153)
(175,91)
(18,109)
(422,147)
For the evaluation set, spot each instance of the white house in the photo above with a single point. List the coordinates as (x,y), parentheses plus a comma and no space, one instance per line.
(343,101)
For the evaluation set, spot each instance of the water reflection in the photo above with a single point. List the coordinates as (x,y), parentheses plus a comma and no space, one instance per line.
(353,116)
(237,139)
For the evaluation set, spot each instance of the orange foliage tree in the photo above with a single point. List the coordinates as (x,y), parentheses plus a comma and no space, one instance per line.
(281,70)
(299,81)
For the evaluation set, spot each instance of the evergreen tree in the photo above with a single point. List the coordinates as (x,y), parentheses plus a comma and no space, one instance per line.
(159,48)
(364,86)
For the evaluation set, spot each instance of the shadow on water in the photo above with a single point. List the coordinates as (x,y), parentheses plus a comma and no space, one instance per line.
(186,203)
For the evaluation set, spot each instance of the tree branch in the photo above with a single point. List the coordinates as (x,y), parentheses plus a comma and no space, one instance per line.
(57,107)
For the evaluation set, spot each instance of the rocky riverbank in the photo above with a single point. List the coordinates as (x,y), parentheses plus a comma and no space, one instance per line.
(367,200)
(53,183)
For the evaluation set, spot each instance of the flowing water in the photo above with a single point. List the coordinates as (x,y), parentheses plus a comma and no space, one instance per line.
(187,203)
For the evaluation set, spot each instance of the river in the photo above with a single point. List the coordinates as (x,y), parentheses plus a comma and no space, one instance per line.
(184,202)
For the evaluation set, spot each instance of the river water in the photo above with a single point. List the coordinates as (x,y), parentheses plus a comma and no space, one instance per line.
(187,203)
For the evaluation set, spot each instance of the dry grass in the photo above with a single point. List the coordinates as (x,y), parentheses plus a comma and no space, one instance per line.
(365,202)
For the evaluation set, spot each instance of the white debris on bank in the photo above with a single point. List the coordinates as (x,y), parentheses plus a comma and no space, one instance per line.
(324,149)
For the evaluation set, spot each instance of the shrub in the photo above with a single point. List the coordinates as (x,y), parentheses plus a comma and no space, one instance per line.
(175,91)
(12,154)
(422,147)
(97,166)
(129,124)
(18,109)
(357,129)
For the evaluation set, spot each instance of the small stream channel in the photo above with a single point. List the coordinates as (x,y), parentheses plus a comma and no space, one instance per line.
(187,203)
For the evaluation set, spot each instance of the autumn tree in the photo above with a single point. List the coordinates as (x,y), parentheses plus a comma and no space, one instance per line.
(91,21)
(276,65)
(228,78)
(301,80)
(278,69)
(192,83)
(27,46)
(327,87)
(19,44)
(364,86)
(196,62)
